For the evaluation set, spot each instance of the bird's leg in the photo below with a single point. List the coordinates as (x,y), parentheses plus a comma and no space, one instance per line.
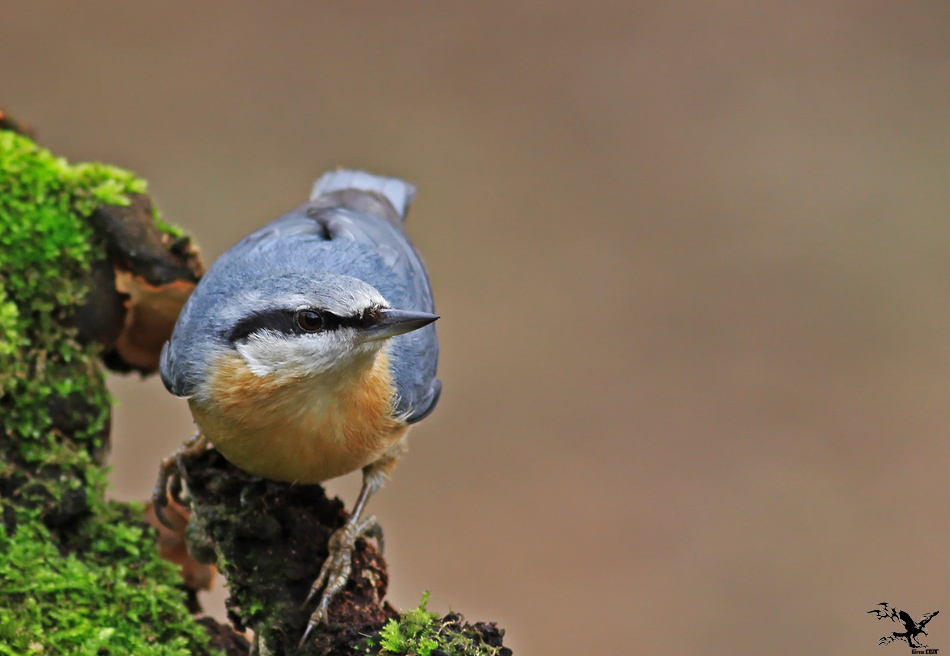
(339,563)
(169,477)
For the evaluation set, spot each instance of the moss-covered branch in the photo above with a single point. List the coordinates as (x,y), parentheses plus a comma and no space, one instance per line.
(91,277)
(78,574)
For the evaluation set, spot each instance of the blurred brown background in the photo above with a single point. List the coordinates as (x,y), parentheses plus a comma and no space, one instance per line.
(693,264)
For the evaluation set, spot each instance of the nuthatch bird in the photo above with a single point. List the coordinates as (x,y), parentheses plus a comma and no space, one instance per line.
(307,350)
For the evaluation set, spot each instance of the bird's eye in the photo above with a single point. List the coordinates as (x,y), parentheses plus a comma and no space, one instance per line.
(309,320)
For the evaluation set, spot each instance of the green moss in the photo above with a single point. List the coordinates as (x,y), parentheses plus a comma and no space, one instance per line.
(110,600)
(414,633)
(168,228)
(78,574)
(420,632)
(46,249)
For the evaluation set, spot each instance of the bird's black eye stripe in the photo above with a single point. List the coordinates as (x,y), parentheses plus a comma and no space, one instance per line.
(300,322)
(366,318)
(279,321)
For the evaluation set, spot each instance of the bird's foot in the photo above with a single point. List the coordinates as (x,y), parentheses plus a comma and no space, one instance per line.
(337,567)
(169,485)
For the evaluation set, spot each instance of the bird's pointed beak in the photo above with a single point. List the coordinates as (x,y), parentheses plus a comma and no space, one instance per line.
(397,322)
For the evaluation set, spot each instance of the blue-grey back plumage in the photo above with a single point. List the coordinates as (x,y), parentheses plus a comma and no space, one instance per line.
(353,227)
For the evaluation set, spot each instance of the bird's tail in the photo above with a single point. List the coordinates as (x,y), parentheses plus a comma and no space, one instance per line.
(398,192)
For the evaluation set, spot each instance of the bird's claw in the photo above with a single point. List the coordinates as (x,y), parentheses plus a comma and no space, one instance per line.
(376,531)
(167,485)
(170,475)
(338,566)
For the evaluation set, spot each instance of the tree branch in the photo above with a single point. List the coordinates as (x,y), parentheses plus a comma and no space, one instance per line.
(92,278)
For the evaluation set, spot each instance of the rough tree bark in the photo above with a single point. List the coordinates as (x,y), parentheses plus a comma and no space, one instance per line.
(92,278)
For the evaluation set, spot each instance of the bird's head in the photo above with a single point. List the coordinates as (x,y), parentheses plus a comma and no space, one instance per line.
(310,325)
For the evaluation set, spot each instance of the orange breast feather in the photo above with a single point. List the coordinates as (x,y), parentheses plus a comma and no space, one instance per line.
(299,429)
